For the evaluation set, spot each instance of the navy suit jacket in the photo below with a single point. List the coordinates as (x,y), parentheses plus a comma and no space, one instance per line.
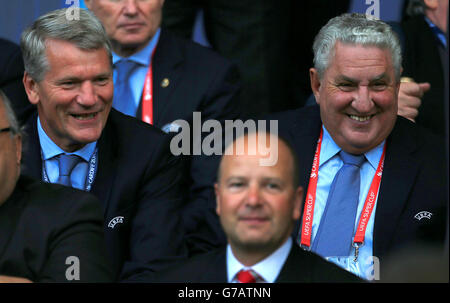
(413,180)
(199,81)
(300,266)
(42,225)
(137,179)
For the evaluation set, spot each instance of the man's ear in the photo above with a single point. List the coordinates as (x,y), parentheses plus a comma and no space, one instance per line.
(88,4)
(31,88)
(315,83)
(431,4)
(298,199)
(216,190)
(18,142)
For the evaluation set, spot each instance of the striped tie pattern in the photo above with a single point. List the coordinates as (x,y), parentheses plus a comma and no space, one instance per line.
(248,276)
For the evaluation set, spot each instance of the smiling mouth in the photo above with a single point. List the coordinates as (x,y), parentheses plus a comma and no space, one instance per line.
(360,118)
(84,116)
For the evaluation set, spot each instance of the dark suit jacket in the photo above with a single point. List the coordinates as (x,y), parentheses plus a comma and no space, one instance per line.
(199,81)
(11,74)
(270,41)
(422,62)
(413,180)
(41,225)
(137,179)
(300,266)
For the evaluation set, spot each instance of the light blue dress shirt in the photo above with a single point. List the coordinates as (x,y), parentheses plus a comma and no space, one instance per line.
(268,269)
(50,150)
(329,164)
(137,78)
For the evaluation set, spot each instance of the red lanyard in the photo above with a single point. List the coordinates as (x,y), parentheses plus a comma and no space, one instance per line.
(147,94)
(310,201)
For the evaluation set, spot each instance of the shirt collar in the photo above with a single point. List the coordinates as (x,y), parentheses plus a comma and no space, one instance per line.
(143,56)
(268,269)
(330,149)
(438,33)
(50,149)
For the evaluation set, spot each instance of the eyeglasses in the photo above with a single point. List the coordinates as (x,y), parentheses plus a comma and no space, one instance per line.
(6,129)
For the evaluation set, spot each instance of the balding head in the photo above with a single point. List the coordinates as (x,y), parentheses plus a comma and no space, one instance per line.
(257,204)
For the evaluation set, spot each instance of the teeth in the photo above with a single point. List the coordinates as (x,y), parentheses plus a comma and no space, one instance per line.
(84,117)
(358,118)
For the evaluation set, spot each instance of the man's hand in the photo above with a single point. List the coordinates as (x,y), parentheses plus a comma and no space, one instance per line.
(10,279)
(409,98)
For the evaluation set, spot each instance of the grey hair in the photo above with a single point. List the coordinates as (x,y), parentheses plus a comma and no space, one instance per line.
(355,29)
(86,32)
(10,115)
(415,7)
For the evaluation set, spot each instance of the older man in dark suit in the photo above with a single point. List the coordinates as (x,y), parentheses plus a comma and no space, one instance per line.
(50,233)
(78,140)
(377,182)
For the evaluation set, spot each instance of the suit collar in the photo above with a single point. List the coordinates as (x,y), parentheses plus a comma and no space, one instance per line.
(102,186)
(399,165)
(399,172)
(143,56)
(169,55)
(32,161)
(304,134)
(107,149)
(296,262)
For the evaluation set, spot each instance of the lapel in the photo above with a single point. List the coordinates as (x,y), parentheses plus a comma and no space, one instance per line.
(217,270)
(167,65)
(304,135)
(399,172)
(295,264)
(31,160)
(106,170)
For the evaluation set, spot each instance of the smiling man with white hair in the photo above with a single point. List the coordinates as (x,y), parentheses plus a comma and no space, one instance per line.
(367,171)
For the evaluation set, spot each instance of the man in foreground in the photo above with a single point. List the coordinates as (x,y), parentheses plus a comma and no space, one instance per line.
(258,206)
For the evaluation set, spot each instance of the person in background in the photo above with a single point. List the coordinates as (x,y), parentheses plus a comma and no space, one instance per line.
(160,79)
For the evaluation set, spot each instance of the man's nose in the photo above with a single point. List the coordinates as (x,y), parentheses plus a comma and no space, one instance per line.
(130,7)
(363,102)
(87,95)
(254,195)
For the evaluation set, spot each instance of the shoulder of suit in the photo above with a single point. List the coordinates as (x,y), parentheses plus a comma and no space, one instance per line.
(406,130)
(194,268)
(129,127)
(11,63)
(202,55)
(57,200)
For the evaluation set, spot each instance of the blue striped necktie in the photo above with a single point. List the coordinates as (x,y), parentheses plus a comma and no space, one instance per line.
(123,99)
(66,165)
(335,232)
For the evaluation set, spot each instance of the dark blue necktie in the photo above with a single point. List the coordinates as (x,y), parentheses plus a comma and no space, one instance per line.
(66,165)
(123,96)
(335,232)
